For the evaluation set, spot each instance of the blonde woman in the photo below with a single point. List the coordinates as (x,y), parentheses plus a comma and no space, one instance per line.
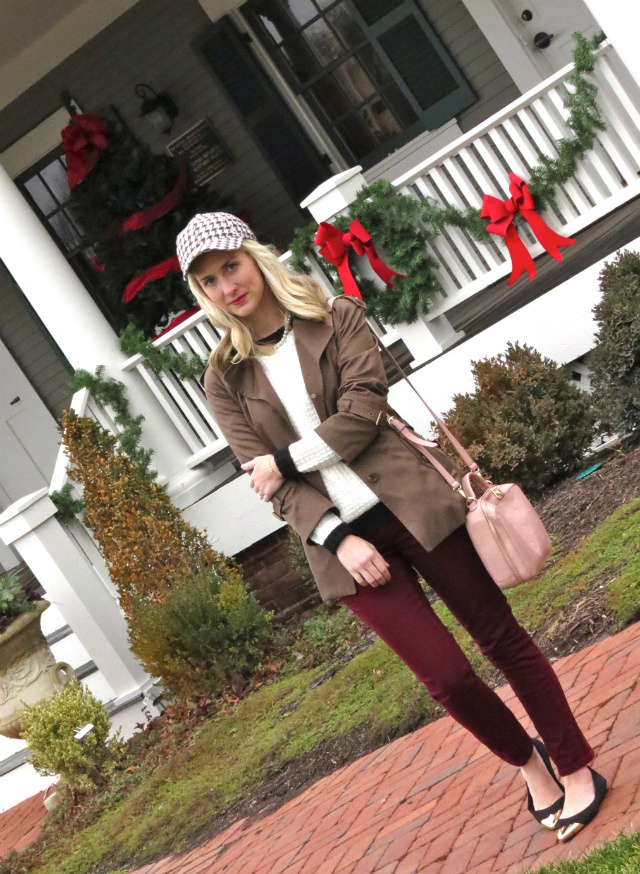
(300,394)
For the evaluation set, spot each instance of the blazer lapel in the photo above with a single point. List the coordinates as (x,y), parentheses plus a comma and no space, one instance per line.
(249,379)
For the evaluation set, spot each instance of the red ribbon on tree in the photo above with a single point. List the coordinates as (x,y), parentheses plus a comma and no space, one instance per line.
(333,246)
(502,213)
(181,317)
(168,202)
(83,139)
(157,272)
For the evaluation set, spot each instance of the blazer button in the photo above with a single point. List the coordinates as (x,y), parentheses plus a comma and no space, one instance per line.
(313,396)
(373,477)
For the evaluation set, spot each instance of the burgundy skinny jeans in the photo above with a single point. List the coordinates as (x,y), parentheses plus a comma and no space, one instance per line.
(401,615)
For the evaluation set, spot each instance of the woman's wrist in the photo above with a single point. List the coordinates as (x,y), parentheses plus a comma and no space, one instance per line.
(284,464)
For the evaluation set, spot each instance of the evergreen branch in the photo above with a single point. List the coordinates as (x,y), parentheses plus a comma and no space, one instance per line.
(111,393)
(134,342)
(67,506)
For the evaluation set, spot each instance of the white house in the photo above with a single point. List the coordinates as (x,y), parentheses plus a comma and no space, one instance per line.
(311,99)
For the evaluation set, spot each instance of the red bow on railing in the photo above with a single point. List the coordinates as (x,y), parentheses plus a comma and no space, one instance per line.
(502,212)
(83,138)
(333,246)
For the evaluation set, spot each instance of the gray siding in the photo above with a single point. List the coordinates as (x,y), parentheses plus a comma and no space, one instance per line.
(153,43)
(33,349)
(475,58)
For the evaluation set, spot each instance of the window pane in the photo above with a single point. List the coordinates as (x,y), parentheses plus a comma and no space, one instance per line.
(323,42)
(354,80)
(401,107)
(357,136)
(55,175)
(416,59)
(331,96)
(375,66)
(345,25)
(380,119)
(302,10)
(374,10)
(65,231)
(41,194)
(300,59)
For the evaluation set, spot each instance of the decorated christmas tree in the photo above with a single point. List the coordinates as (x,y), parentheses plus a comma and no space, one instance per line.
(132,203)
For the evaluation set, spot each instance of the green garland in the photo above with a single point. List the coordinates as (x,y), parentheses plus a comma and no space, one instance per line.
(401,226)
(111,393)
(134,342)
(393,220)
(67,506)
(584,120)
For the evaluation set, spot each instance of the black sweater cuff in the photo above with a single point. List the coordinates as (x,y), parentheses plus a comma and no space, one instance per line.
(285,464)
(335,538)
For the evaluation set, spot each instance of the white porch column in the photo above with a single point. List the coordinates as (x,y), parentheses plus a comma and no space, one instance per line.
(73,319)
(620,20)
(71,583)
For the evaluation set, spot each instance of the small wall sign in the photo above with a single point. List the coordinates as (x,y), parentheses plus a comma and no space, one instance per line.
(203,150)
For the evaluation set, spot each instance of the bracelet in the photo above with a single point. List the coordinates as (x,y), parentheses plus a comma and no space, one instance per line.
(276,472)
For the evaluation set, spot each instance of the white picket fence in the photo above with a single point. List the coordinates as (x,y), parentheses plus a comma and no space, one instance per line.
(474,165)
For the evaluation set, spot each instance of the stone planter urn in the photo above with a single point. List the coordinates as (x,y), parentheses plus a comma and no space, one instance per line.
(29,673)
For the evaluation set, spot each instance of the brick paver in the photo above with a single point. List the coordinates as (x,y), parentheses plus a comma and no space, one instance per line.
(20,825)
(437,802)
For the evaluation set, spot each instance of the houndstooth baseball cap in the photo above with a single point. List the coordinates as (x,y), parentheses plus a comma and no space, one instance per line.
(208,232)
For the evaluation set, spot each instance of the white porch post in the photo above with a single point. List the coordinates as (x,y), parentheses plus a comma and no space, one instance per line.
(73,319)
(620,20)
(71,583)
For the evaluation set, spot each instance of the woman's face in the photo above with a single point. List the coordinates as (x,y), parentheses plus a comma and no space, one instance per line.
(231,280)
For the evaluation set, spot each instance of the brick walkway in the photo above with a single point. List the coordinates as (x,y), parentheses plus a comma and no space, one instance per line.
(436,802)
(20,825)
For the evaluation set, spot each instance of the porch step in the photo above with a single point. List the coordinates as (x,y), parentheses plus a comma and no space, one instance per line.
(597,241)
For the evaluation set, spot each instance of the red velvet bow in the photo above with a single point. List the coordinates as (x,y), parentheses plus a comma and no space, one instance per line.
(502,212)
(333,246)
(156,272)
(83,138)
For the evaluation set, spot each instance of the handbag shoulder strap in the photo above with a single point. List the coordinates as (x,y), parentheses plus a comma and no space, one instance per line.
(403,429)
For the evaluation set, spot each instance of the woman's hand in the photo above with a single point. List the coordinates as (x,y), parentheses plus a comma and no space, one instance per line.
(363,561)
(265,476)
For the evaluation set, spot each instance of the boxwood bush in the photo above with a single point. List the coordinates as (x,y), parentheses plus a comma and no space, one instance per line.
(615,362)
(526,422)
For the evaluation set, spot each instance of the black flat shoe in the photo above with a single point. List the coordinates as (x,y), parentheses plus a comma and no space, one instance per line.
(569,826)
(548,816)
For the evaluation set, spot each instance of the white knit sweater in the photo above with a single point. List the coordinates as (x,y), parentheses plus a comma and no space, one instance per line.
(350,495)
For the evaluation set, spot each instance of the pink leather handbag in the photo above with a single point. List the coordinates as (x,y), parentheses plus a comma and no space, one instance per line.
(506,531)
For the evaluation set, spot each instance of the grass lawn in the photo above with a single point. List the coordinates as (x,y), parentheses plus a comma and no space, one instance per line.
(174,799)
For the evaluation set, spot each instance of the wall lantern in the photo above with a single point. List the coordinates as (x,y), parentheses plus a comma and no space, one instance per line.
(158,109)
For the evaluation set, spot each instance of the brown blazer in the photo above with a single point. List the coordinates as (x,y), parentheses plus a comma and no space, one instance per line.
(344,376)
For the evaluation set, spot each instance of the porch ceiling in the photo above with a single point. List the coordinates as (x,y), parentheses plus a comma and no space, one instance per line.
(22,22)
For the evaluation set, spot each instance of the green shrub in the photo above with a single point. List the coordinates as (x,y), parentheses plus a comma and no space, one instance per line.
(328,633)
(13,600)
(49,730)
(615,362)
(207,631)
(525,421)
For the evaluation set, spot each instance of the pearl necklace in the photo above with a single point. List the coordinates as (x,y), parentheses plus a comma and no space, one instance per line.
(287,329)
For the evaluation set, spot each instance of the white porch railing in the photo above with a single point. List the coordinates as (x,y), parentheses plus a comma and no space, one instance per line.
(512,140)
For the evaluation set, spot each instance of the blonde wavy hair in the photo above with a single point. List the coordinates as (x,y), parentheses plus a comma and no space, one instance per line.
(297,293)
